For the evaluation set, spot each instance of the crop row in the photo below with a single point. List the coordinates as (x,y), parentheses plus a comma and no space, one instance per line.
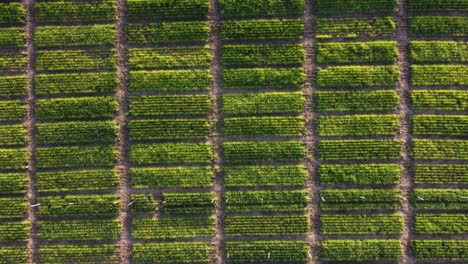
(11,135)
(13,86)
(440,174)
(78,205)
(12,37)
(453,125)
(268,8)
(68,36)
(437,75)
(11,183)
(351,28)
(70,11)
(11,13)
(350,224)
(263,151)
(12,207)
(356,101)
(75,83)
(357,125)
(12,62)
(258,78)
(265,201)
(446,199)
(439,99)
(364,149)
(263,103)
(13,255)
(170,153)
(14,231)
(266,225)
(441,224)
(174,203)
(357,76)
(324,7)
(169,57)
(167,10)
(76,132)
(63,254)
(13,158)
(364,174)
(263,126)
(168,129)
(438,26)
(440,249)
(80,108)
(438,51)
(357,52)
(263,251)
(426,149)
(261,29)
(69,60)
(359,199)
(438,5)
(73,230)
(171,252)
(168,32)
(262,55)
(168,177)
(264,175)
(172,227)
(170,105)
(360,250)
(169,80)
(12,110)
(54,181)
(75,156)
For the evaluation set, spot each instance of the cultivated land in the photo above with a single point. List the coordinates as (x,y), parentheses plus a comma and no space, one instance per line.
(234,131)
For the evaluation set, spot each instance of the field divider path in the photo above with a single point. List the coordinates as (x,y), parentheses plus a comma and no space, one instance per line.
(29,124)
(309,136)
(405,186)
(215,136)
(122,141)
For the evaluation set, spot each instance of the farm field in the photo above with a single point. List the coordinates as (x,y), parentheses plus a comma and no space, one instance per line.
(234,131)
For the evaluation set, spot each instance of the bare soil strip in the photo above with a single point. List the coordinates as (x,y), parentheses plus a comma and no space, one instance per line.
(309,136)
(215,136)
(29,124)
(122,141)
(406,183)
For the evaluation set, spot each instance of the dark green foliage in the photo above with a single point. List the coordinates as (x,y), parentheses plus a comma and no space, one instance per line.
(360,250)
(76,132)
(79,230)
(13,37)
(234,176)
(170,153)
(172,32)
(83,35)
(167,10)
(438,26)
(262,55)
(427,149)
(441,224)
(436,75)
(263,126)
(76,180)
(265,201)
(172,227)
(170,80)
(438,5)
(266,251)
(263,151)
(76,108)
(451,125)
(440,174)
(64,254)
(11,135)
(440,249)
(358,149)
(79,83)
(439,99)
(11,13)
(356,100)
(169,57)
(14,231)
(357,125)
(266,225)
(75,11)
(438,51)
(360,224)
(188,203)
(75,156)
(12,183)
(12,110)
(168,177)
(258,78)
(262,29)
(13,255)
(79,205)
(327,7)
(263,103)
(357,52)
(157,105)
(171,252)
(445,199)
(13,86)
(263,8)
(13,158)
(66,60)
(168,129)
(12,62)
(359,199)
(327,28)
(143,204)
(12,207)
(357,76)
(365,174)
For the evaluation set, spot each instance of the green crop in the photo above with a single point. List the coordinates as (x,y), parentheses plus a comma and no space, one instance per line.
(76,132)
(357,125)
(359,199)
(168,129)
(264,8)
(262,29)
(266,225)
(441,224)
(351,224)
(11,13)
(265,251)
(13,37)
(350,28)
(12,183)
(358,149)
(83,35)
(445,199)
(76,180)
(169,57)
(325,7)
(451,125)
(437,75)
(438,51)
(76,83)
(170,80)
(188,203)
(262,55)
(13,254)
(13,158)
(76,108)
(12,62)
(56,60)
(172,227)
(436,26)
(79,230)
(262,126)
(263,151)
(13,86)
(75,156)
(157,105)
(356,100)
(360,250)
(71,11)
(170,153)
(440,174)
(440,249)
(167,9)
(168,32)
(427,149)
(79,205)
(265,201)
(357,76)
(357,52)
(264,175)
(171,252)
(11,135)
(168,177)
(12,110)
(263,78)
(364,174)
(12,208)
(14,231)
(263,103)
(63,254)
